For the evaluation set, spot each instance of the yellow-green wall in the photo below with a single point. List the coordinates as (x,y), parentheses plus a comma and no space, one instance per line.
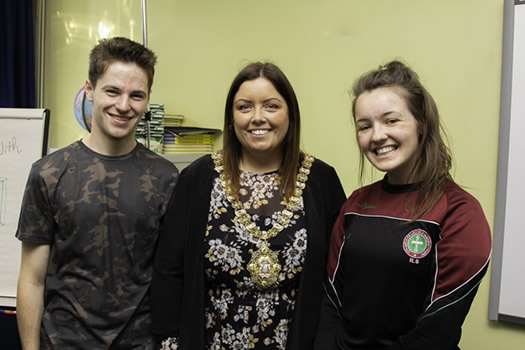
(72,28)
(322,46)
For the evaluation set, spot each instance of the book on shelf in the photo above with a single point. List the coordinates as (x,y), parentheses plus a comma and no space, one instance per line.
(167,135)
(194,139)
(188,140)
(173,120)
(156,128)
(187,130)
(187,149)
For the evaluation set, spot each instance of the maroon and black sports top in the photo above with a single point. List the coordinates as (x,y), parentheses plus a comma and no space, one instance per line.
(397,284)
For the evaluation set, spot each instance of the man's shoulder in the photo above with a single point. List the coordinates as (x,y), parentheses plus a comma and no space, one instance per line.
(155,158)
(61,155)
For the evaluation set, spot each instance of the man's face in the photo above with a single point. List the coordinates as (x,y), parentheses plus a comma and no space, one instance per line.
(119,100)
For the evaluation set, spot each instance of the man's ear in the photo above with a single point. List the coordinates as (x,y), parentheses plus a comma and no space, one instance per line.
(89,90)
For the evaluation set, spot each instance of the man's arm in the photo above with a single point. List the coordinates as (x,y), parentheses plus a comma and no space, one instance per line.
(30,293)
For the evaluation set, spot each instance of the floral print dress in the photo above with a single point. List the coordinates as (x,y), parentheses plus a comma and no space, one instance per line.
(238,315)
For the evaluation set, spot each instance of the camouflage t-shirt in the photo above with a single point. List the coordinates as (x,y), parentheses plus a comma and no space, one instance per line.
(101,217)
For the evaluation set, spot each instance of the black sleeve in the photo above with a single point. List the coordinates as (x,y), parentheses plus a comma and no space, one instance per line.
(168,274)
(323,197)
(330,320)
(336,200)
(438,331)
(329,323)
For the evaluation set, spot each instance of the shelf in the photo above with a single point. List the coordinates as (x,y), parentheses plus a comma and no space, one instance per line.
(182,160)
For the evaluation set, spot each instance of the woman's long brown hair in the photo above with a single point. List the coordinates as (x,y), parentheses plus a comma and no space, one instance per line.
(433,161)
(232,148)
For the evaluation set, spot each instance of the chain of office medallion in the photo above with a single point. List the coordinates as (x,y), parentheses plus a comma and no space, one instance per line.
(286,214)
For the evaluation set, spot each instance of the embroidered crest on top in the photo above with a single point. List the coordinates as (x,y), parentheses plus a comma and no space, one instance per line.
(417,244)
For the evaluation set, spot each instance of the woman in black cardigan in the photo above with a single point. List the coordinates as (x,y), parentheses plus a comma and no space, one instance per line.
(241,256)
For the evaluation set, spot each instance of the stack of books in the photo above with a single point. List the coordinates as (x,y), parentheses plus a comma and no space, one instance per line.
(188,140)
(168,136)
(156,128)
(173,120)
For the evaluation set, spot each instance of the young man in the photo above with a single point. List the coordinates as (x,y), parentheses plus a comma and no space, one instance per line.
(90,219)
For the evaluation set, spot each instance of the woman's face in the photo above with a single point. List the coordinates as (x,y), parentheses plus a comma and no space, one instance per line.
(387,132)
(260,119)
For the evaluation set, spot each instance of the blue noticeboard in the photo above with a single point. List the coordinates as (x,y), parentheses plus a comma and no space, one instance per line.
(23,140)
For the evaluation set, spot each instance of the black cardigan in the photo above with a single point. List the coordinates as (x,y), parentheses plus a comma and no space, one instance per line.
(178,286)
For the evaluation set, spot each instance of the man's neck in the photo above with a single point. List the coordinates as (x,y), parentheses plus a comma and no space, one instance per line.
(109,147)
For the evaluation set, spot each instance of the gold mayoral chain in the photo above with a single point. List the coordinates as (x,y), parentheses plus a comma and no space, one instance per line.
(264,265)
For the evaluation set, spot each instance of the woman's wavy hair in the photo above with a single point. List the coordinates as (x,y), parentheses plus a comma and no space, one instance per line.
(433,161)
(232,148)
